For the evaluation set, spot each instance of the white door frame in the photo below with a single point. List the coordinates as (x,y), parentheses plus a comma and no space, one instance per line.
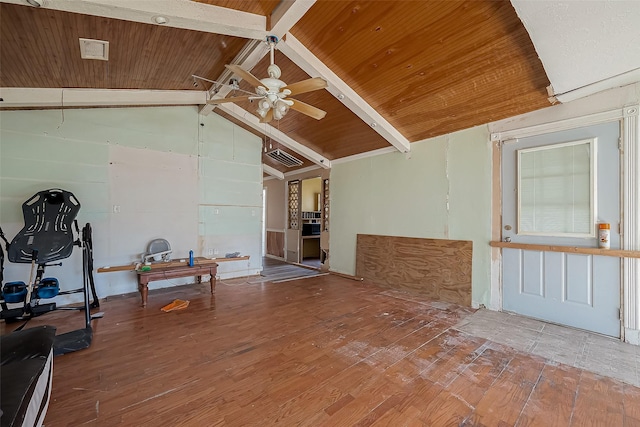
(630,209)
(631,223)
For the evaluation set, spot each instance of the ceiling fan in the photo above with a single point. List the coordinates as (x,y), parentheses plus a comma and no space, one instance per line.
(272,93)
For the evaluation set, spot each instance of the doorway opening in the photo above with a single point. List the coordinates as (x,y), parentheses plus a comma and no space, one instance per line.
(311,212)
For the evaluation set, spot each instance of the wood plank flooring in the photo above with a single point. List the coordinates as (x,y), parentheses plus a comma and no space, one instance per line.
(322,351)
(274,270)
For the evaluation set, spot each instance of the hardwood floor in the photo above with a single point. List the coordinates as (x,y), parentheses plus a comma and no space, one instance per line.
(275,271)
(323,351)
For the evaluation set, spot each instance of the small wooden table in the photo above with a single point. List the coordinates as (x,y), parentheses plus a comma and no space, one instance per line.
(173,272)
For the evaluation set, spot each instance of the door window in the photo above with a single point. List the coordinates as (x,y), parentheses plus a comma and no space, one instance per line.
(556,189)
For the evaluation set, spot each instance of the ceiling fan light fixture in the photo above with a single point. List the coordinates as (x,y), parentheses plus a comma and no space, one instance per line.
(280,110)
(264,105)
(282,106)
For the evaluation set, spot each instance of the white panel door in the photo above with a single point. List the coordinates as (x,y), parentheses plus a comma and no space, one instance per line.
(577,290)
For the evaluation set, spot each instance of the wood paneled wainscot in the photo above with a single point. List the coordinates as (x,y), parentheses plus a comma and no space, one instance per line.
(275,243)
(436,268)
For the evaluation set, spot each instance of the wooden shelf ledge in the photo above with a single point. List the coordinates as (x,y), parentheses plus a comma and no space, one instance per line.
(620,253)
(239,258)
(173,263)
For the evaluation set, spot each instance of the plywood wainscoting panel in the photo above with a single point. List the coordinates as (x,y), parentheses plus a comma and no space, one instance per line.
(275,243)
(436,268)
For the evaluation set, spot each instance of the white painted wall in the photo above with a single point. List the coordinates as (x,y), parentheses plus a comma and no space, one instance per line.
(276,204)
(442,191)
(166,174)
(310,189)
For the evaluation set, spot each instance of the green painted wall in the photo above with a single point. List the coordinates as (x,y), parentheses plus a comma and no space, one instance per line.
(442,191)
(230,195)
(165,170)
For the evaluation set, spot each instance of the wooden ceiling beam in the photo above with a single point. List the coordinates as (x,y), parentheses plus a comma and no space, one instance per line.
(299,171)
(273,172)
(177,13)
(287,14)
(73,97)
(275,134)
(306,60)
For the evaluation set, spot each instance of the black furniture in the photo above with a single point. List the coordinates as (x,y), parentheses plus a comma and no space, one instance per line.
(26,371)
(48,236)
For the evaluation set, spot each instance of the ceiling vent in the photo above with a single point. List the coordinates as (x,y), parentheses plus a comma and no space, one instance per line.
(285,158)
(94,49)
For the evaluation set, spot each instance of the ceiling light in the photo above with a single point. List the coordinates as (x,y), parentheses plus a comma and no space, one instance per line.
(160,20)
(35,3)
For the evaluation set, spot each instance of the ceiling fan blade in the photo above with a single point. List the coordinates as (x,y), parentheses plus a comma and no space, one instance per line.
(305,86)
(233,99)
(307,109)
(268,117)
(246,76)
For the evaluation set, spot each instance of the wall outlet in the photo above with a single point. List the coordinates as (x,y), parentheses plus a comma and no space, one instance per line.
(210,252)
(215,252)
(116,208)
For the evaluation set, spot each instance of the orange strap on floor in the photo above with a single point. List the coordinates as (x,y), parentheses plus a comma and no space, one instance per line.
(177,304)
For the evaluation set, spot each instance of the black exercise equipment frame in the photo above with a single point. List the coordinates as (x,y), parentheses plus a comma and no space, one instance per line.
(59,234)
(32,307)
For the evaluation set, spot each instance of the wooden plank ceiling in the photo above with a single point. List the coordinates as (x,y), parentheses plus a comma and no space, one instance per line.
(428,67)
(40,48)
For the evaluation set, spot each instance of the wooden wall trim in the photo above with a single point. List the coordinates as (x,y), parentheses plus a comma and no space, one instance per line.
(275,243)
(568,249)
(435,268)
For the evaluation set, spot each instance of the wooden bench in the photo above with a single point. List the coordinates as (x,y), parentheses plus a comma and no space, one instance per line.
(173,272)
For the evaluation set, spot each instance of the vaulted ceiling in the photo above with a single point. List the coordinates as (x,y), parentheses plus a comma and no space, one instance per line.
(397,71)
